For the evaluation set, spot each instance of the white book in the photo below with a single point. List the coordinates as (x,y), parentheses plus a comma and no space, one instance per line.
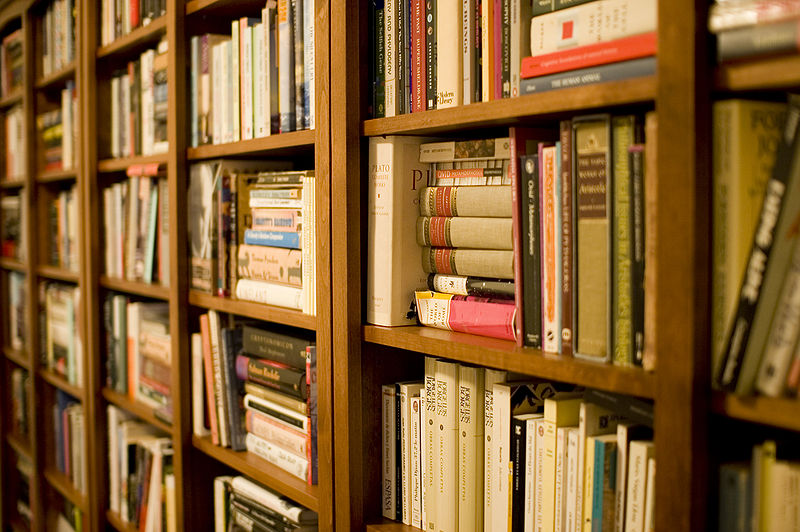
(470,448)
(221,487)
(67,127)
(539,467)
(626,431)
(217,76)
(269,293)
(247,81)
(650,497)
(260,404)
(529,518)
(446,474)
(406,390)
(639,452)
(195,91)
(198,392)
(226,92)
(110,233)
(260,93)
(388,451)
(561,478)
(235,79)
(148,103)
(220,394)
(113,417)
(492,377)
(415,492)
(501,447)
(390,57)
(572,479)
(468,50)
(279,504)
(431,451)
(520,43)
(423,456)
(115,117)
(289,462)
(448,54)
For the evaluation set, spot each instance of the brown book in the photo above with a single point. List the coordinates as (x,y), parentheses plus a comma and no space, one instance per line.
(567,231)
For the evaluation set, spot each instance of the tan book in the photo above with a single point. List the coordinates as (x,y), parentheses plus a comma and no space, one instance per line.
(477,262)
(464,232)
(488,201)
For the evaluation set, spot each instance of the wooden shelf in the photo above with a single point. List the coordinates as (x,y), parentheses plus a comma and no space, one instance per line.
(122,163)
(154,291)
(12,264)
(223,7)
(62,484)
(504,354)
(19,445)
(11,99)
(248,309)
(144,412)
(17,357)
(14,182)
(118,524)
(56,176)
(511,111)
(58,78)
(57,274)
(61,383)
(262,471)
(285,143)
(391,526)
(783,413)
(758,74)
(135,39)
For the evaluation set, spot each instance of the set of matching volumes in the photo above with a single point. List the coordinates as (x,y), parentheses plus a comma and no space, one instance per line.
(759,351)
(58,133)
(58,36)
(258,391)
(256,82)
(136,221)
(20,393)
(61,346)
(467,449)
(13,214)
(139,351)
(62,221)
(755,28)
(138,102)
(252,232)
(12,63)
(242,505)
(15,152)
(433,55)
(17,309)
(119,17)
(762,494)
(140,477)
(70,438)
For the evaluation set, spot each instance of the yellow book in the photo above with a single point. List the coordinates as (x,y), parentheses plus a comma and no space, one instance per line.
(588,484)
(561,411)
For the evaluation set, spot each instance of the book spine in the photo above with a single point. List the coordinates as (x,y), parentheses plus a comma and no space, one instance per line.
(309,62)
(567,241)
(418,64)
(388,451)
(497,48)
(246,88)
(518,454)
(461,285)
(270,18)
(299,63)
(468,50)
(379,83)
(480,263)
(758,40)
(208,366)
(466,314)
(484,201)
(390,54)
(447,445)
(415,476)
(448,56)
(591,75)
(459,231)
(273,375)
(290,463)
(531,250)
(260,92)
(279,239)
(431,46)
(398,457)
(506,45)
(286,67)
(541,485)
(487,50)
(637,231)
(262,263)
(639,453)
(269,293)
(550,244)
(470,448)
(431,465)
(405,451)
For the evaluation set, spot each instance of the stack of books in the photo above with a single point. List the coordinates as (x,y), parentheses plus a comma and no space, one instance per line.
(754,28)
(62,218)
(139,105)
(119,17)
(141,481)
(276,373)
(465,449)
(136,221)
(15,152)
(12,63)
(257,81)
(241,504)
(62,349)
(58,36)
(70,439)
(17,309)
(13,214)
(138,351)
(58,133)
(20,402)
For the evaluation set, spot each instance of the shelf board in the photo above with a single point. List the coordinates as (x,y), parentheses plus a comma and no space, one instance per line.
(56,176)
(12,99)
(57,273)
(139,410)
(118,524)
(262,471)
(222,7)
(391,526)
(61,383)
(11,264)
(284,142)
(62,484)
(511,111)
(57,78)
(154,291)
(17,357)
(138,37)
(258,311)
(783,413)
(506,355)
(764,73)
(122,163)
(19,445)
(14,182)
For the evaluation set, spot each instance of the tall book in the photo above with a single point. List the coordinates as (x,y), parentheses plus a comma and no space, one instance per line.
(388,451)
(490,478)
(406,391)
(559,412)
(448,54)
(431,452)
(470,448)
(446,475)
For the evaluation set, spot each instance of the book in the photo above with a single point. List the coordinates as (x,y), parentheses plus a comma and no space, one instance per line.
(406,391)
(559,411)
(626,432)
(389,502)
(464,232)
(449,65)
(484,201)
(760,40)
(640,453)
(446,446)
(530,251)
(729,15)
(474,262)
(482,316)
(465,150)
(734,497)
(269,293)
(470,447)
(463,285)
(632,68)
(567,232)
(429,486)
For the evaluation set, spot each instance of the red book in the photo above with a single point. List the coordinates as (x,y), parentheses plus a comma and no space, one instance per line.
(418,63)
(497,60)
(469,314)
(134,14)
(634,47)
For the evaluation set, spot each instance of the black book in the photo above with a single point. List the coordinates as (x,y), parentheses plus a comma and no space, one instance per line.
(531,252)
(379,67)
(636,155)
(275,346)
(518,451)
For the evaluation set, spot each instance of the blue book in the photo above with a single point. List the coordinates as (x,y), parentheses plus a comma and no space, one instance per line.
(604,486)
(279,239)
(635,68)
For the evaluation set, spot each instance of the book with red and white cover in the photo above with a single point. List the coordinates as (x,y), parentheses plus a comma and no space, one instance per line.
(476,315)
(551,247)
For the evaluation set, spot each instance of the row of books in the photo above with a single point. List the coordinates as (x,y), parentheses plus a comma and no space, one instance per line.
(761,494)
(13,215)
(62,220)
(12,63)
(443,54)
(140,475)
(70,438)
(136,221)
(754,28)
(119,17)
(138,351)
(15,152)
(469,449)
(17,308)
(58,133)
(20,381)
(58,35)
(757,300)
(257,81)
(138,102)
(60,316)
(276,376)
(252,232)
(240,505)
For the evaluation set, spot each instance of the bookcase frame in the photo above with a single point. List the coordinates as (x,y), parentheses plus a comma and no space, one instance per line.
(196,460)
